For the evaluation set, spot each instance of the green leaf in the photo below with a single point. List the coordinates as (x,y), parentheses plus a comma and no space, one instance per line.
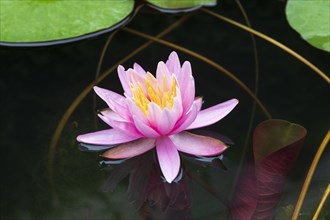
(181,4)
(311,18)
(275,134)
(49,20)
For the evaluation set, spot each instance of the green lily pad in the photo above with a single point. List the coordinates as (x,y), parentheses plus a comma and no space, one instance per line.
(50,20)
(275,134)
(311,18)
(181,4)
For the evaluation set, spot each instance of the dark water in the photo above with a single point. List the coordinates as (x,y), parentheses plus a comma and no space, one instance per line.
(38,85)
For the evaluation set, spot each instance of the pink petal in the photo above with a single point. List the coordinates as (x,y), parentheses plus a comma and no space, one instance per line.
(187,86)
(188,118)
(161,72)
(108,113)
(130,149)
(154,113)
(177,106)
(139,69)
(145,129)
(168,157)
(107,94)
(136,111)
(166,122)
(124,80)
(199,102)
(106,137)
(115,101)
(173,63)
(197,145)
(136,78)
(213,114)
(162,121)
(115,121)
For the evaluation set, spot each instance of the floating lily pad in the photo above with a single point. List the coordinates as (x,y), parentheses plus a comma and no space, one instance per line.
(31,21)
(311,18)
(181,4)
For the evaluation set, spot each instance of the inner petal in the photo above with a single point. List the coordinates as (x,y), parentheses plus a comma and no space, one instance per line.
(150,91)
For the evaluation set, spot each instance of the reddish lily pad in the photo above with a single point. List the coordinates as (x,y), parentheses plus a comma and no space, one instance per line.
(273,135)
(276,146)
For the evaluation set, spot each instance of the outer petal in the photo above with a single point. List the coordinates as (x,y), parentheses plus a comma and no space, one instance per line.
(213,114)
(124,80)
(199,102)
(107,94)
(108,113)
(106,137)
(197,145)
(139,69)
(168,157)
(115,101)
(115,121)
(130,149)
(173,63)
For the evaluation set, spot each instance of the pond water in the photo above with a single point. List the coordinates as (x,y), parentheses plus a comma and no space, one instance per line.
(39,84)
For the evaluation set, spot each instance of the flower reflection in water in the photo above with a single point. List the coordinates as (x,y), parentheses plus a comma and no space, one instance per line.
(148,189)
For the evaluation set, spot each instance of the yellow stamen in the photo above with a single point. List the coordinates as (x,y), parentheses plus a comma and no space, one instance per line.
(164,98)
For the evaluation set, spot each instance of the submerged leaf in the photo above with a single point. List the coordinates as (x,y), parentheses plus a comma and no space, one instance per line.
(276,146)
(312,20)
(270,174)
(273,135)
(48,20)
(148,191)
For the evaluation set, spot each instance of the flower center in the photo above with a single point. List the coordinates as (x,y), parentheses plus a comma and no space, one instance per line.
(163,95)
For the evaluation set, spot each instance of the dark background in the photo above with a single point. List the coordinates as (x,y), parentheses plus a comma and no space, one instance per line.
(38,84)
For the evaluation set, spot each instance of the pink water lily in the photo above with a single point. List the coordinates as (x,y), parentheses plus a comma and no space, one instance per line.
(155,112)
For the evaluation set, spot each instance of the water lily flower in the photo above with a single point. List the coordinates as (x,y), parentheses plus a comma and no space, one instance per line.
(156,112)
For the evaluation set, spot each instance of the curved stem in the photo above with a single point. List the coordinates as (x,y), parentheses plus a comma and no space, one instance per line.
(310,175)
(272,41)
(206,60)
(320,206)
(254,105)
